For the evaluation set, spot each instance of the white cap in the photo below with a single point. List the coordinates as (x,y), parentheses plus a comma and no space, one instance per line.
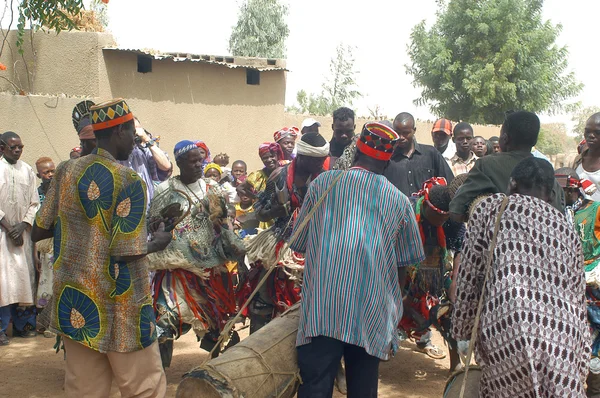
(309,122)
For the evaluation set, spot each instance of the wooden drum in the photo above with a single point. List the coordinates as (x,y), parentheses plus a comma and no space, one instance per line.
(262,365)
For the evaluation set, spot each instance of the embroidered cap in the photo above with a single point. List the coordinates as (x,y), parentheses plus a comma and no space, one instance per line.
(110,114)
(377,141)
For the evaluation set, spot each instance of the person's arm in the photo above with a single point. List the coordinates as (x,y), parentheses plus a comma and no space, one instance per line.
(476,184)
(160,157)
(34,203)
(409,247)
(159,241)
(43,225)
(267,207)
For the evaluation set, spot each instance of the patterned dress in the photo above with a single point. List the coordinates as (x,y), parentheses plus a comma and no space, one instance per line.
(533,338)
(97,210)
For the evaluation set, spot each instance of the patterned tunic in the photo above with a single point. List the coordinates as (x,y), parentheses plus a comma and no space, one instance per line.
(353,251)
(533,338)
(97,209)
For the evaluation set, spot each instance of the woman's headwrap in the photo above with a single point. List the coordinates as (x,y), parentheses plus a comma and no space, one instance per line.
(270,147)
(424,192)
(286,132)
(202,145)
(212,166)
(304,148)
(183,147)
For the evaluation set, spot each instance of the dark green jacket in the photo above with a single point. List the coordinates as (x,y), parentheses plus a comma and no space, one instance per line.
(491,174)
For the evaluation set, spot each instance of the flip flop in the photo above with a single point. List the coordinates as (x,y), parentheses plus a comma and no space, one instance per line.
(433,352)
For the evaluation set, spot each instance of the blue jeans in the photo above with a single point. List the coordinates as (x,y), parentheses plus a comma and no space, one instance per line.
(4,318)
(23,318)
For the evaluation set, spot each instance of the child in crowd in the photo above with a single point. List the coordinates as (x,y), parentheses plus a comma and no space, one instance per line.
(45,253)
(214,172)
(244,211)
(239,172)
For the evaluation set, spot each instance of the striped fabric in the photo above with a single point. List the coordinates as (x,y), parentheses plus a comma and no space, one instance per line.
(364,229)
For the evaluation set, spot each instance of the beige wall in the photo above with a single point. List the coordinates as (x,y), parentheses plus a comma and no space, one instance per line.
(177,100)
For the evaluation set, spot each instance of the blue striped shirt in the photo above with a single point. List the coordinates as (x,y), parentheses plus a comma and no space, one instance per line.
(362,232)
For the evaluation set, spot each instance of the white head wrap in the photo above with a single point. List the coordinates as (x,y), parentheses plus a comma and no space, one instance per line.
(305,149)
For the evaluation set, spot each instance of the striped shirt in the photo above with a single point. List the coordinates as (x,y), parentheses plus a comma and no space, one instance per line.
(364,229)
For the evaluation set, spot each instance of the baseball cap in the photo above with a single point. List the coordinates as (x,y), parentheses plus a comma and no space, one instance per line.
(309,122)
(444,125)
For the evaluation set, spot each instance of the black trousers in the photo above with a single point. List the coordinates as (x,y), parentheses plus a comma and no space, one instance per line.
(319,361)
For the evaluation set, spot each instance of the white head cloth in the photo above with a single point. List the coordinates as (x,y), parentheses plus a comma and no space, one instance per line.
(305,149)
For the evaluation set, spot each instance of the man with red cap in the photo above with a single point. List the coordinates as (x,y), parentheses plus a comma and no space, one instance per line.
(441,134)
(351,299)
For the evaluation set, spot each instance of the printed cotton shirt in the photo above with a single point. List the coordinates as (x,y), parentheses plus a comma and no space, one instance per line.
(460,166)
(362,232)
(97,208)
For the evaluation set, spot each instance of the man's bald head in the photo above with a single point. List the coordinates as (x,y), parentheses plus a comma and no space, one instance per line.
(595,118)
(404,118)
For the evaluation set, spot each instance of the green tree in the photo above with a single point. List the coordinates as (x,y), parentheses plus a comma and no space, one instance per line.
(482,58)
(51,14)
(580,117)
(261,30)
(553,139)
(339,89)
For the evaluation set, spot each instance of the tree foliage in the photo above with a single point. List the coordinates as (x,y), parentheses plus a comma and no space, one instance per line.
(580,117)
(553,139)
(339,89)
(482,58)
(261,30)
(51,14)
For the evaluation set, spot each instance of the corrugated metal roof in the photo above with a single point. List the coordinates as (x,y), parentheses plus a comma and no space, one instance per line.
(260,64)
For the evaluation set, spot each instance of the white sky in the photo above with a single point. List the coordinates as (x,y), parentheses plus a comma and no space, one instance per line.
(379,29)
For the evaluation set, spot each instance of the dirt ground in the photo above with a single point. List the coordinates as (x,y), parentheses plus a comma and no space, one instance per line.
(31,368)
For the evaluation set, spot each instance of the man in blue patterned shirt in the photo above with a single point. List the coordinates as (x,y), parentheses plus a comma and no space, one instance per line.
(351,297)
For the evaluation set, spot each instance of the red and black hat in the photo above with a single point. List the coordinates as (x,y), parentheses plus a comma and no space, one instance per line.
(377,141)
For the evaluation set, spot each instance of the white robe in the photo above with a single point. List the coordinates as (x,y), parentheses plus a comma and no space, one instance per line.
(19,202)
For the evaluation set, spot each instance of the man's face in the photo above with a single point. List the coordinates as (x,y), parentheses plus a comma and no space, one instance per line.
(126,140)
(191,164)
(440,139)
(213,174)
(269,160)
(496,145)
(13,149)
(238,171)
(287,144)
(478,146)
(406,130)
(571,195)
(462,139)
(591,133)
(46,171)
(343,131)
(310,164)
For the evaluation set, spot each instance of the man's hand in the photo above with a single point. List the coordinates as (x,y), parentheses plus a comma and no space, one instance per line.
(18,241)
(160,239)
(278,210)
(38,264)
(17,230)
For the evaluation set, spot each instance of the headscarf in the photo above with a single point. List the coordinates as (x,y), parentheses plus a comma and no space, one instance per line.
(212,166)
(183,147)
(286,132)
(272,147)
(201,144)
(308,146)
(424,192)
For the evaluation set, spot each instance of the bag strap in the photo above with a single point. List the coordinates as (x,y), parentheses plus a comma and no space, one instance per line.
(488,267)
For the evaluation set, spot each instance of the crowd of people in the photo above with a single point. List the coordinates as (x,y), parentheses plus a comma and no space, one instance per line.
(117,252)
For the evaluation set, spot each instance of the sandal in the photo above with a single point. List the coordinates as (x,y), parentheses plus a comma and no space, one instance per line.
(432,351)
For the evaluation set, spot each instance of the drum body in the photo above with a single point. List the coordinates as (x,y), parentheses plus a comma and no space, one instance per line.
(454,383)
(262,365)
